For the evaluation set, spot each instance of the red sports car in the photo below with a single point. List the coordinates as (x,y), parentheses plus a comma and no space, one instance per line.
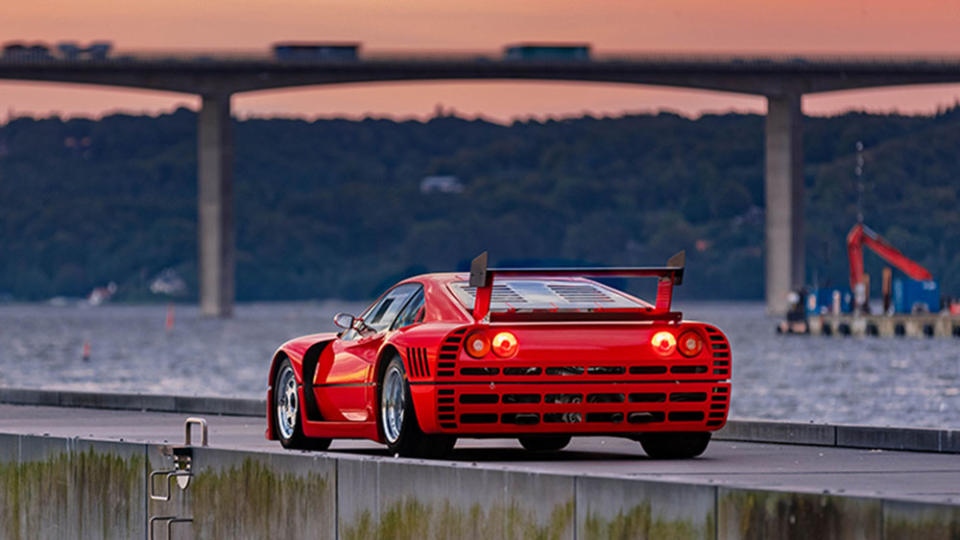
(537,354)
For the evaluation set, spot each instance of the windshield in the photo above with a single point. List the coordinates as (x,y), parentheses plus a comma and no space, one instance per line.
(541,294)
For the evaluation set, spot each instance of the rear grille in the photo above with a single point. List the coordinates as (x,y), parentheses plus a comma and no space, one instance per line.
(521,398)
(479,371)
(568,370)
(645,417)
(482,418)
(609,417)
(562,418)
(444,399)
(522,371)
(489,370)
(719,402)
(688,396)
(474,399)
(648,370)
(525,419)
(417,365)
(721,352)
(685,416)
(703,404)
(605,398)
(648,397)
(606,370)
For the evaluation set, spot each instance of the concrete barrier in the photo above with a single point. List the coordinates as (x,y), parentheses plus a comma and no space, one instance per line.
(747,514)
(945,441)
(136,402)
(383,498)
(79,488)
(56,488)
(924,440)
(619,508)
(778,432)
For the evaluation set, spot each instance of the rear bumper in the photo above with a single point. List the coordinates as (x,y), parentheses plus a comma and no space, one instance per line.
(485,409)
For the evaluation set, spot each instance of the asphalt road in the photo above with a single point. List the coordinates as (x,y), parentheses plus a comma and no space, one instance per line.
(900,475)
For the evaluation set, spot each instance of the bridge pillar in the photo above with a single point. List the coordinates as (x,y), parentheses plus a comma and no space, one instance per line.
(784,200)
(215,205)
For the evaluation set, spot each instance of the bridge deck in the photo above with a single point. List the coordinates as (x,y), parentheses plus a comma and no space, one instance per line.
(912,476)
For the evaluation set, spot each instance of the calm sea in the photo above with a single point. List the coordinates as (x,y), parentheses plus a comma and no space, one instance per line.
(894,381)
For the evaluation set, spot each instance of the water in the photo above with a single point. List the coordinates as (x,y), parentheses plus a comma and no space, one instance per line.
(896,381)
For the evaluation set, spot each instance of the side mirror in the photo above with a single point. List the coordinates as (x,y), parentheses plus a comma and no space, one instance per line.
(344,320)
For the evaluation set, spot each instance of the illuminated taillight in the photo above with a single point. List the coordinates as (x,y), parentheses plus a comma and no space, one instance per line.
(690,344)
(504,345)
(477,345)
(664,343)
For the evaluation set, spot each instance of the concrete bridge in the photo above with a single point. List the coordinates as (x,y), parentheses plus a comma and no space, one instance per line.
(783,80)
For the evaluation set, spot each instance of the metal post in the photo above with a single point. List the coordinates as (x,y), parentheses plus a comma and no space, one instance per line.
(215,201)
(784,200)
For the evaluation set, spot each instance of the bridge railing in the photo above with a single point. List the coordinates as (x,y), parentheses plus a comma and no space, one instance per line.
(733,59)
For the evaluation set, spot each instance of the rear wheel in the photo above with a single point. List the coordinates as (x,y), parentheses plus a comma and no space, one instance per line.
(675,445)
(545,443)
(398,421)
(287,414)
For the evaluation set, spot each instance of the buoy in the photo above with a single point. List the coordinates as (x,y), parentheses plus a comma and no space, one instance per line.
(86,351)
(170,317)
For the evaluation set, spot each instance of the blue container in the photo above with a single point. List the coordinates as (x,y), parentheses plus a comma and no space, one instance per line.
(910,295)
(820,301)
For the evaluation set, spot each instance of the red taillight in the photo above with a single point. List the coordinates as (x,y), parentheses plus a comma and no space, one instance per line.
(664,343)
(690,344)
(477,345)
(504,345)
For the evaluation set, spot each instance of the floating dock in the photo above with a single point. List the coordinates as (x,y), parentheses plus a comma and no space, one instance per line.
(115,466)
(912,325)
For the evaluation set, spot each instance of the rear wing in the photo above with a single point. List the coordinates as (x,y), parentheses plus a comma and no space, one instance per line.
(482,278)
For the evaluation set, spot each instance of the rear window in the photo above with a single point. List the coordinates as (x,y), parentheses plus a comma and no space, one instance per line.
(530,294)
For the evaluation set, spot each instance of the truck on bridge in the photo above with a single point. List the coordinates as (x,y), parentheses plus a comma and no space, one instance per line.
(547,51)
(315,51)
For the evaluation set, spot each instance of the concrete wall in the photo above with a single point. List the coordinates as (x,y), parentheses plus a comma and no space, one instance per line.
(70,488)
(76,488)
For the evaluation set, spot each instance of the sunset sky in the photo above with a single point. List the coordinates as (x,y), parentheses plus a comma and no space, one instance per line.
(742,26)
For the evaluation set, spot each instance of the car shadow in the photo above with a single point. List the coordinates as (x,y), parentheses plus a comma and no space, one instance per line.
(508,455)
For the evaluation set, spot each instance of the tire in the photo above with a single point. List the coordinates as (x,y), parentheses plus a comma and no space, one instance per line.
(287,413)
(675,445)
(398,421)
(545,443)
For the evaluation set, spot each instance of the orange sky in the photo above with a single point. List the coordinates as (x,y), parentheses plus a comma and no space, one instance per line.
(748,26)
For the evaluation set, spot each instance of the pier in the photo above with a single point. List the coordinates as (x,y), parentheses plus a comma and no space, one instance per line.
(906,325)
(82,462)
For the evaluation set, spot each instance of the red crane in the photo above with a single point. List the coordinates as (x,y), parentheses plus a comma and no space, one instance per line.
(859,235)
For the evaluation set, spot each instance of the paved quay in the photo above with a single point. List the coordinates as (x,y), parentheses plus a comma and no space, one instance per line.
(914,476)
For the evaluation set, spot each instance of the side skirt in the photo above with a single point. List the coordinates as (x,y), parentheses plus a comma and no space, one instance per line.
(340,430)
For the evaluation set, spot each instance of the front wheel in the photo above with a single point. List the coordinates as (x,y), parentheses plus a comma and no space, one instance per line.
(545,443)
(286,412)
(398,421)
(675,445)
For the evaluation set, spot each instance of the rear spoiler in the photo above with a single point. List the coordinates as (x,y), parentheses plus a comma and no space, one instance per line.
(482,278)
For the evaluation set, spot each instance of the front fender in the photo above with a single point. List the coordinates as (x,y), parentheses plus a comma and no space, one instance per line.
(303,353)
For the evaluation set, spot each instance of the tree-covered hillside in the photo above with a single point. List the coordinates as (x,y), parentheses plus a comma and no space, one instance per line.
(333,208)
